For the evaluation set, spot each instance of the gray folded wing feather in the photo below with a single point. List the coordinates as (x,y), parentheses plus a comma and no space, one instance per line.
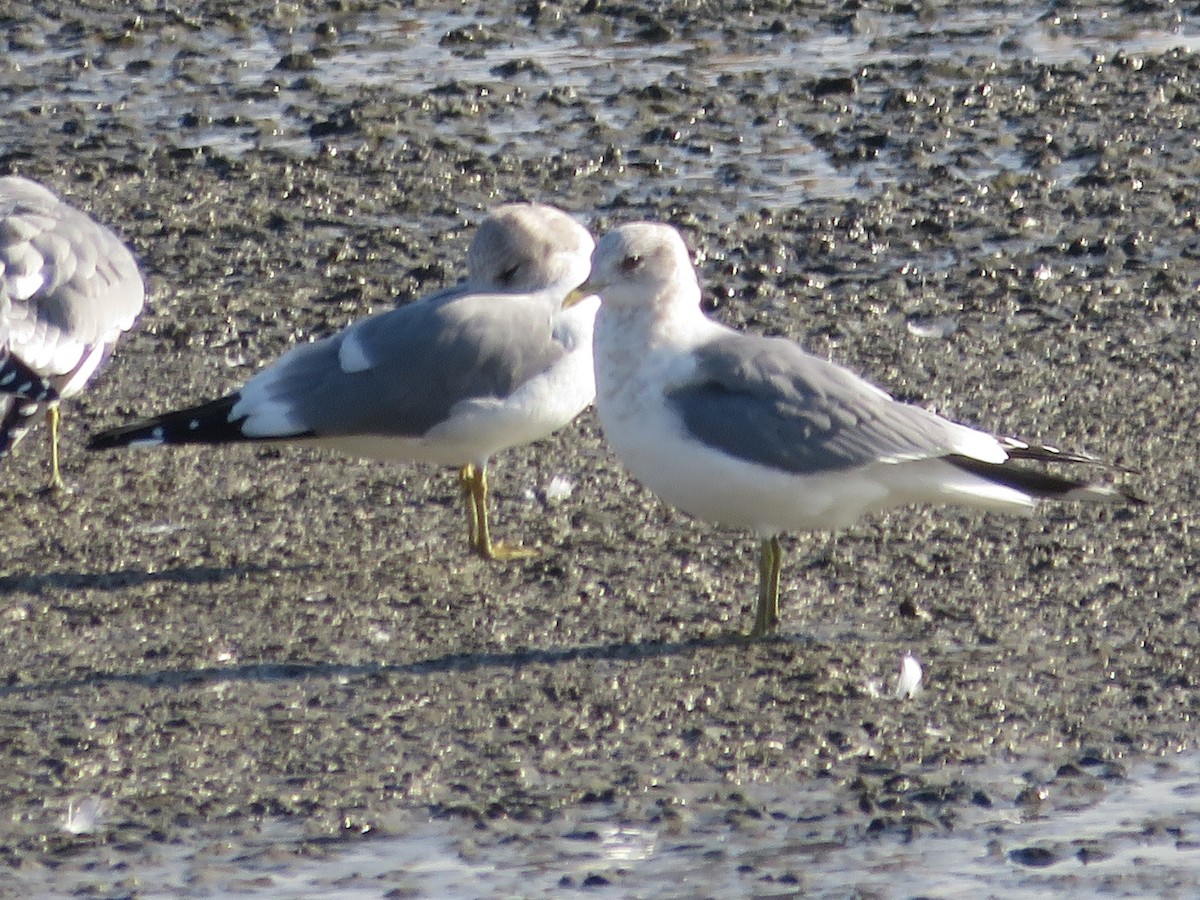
(766,401)
(422,360)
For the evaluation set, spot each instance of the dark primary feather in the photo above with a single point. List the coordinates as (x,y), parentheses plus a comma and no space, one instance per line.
(19,381)
(1039,483)
(766,401)
(207,423)
(1019,449)
(23,393)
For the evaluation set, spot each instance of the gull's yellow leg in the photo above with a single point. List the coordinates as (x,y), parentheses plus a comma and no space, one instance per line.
(770,563)
(466,478)
(481,536)
(52,417)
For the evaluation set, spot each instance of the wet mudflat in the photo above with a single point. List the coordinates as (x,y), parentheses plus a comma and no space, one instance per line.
(990,209)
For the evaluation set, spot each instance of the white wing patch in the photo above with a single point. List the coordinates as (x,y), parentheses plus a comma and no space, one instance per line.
(271,420)
(978,444)
(153,439)
(23,285)
(575,325)
(266,415)
(352,355)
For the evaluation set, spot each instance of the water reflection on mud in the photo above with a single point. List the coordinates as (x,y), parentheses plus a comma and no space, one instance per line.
(230,90)
(1074,830)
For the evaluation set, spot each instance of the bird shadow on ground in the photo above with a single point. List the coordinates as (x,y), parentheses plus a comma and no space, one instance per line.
(448,663)
(126,578)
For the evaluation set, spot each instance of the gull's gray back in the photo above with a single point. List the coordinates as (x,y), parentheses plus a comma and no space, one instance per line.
(766,401)
(428,358)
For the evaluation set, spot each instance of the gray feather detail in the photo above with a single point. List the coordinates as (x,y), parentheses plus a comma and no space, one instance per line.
(427,358)
(766,401)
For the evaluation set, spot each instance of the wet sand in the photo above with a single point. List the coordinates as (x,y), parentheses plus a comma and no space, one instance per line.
(990,212)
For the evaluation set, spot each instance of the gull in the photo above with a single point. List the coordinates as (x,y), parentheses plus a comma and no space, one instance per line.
(453,379)
(69,288)
(753,432)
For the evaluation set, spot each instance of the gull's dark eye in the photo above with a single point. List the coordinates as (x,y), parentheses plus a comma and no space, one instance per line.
(508,275)
(631,262)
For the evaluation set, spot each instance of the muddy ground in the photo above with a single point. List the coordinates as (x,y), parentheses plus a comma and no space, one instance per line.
(1003,232)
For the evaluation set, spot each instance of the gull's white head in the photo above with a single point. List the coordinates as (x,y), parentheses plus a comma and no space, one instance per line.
(643,264)
(525,247)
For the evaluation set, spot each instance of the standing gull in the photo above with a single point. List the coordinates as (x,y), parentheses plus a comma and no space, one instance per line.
(68,289)
(486,365)
(753,432)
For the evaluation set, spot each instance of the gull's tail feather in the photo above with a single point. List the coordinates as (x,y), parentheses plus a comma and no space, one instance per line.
(1042,485)
(208,423)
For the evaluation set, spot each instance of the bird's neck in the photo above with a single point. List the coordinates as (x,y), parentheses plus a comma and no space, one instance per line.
(671,320)
(631,341)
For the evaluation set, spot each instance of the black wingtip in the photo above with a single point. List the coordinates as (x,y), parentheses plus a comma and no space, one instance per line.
(1044,485)
(208,423)
(1019,449)
(19,380)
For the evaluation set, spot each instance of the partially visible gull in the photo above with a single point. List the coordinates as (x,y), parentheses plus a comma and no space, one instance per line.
(753,432)
(489,364)
(68,289)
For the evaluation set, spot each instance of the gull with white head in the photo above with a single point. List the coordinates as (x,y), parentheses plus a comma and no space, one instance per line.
(492,363)
(69,288)
(753,432)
